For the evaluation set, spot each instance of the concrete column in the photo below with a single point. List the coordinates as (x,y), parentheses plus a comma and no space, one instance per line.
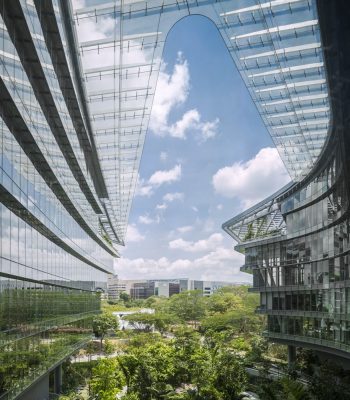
(292,355)
(58,379)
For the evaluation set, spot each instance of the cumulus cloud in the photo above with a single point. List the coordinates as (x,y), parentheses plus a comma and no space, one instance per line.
(209,244)
(161,177)
(253,180)
(172,91)
(170,197)
(158,178)
(219,264)
(189,120)
(133,234)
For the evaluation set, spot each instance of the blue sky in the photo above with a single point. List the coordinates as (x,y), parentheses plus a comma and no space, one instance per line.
(207,157)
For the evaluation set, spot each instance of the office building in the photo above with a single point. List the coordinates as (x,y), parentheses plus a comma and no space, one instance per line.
(55,235)
(296,242)
(142,289)
(76,88)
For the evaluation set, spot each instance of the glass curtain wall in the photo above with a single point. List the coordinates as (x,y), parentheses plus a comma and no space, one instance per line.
(53,254)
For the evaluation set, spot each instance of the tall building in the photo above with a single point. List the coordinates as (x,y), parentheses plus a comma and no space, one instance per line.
(55,238)
(297,242)
(76,88)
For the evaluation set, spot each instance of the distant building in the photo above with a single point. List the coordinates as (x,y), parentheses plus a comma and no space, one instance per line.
(113,287)
(166,289)
(142,289)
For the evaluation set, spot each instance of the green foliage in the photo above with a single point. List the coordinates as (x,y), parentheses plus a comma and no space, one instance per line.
(331,382)
(294,390)
(259,347)
(230,377)
(23,307)
(102,323)
(76,374)
(130,396)
(233,308)
(124,297)
(145,322)
(188,306)
(26,358)
(71,396)
(107,379)
(157,369)
(250,232)
(284,389)
(222,301)
(108,347)
(190,363)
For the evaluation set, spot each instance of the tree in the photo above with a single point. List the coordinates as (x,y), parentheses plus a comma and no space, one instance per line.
(146,322)
(188,306)
(124,297)
(230,376)
(294,390)
(102,323)
(107,379)
(259,347)
(149,370)
(223,300)
(331,382)
(128,364)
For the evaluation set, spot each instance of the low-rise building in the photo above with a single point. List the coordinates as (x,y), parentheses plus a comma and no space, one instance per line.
(142,289)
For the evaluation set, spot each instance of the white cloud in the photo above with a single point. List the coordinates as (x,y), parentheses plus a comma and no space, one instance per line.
(158,178)
(146,220)
(172,91)
(209,129)
(253,180)
(209,244)
(161,177)
(185,229)
(170,197)
(219,207)
(143,188)
(161,206)
(163,156)
(133,234)
(194,208)
(220,264)
(189,120)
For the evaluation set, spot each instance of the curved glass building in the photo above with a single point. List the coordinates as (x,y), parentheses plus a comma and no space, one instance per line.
(296,243)
(77,81)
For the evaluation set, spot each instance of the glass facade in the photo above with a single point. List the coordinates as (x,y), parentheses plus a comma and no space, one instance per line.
(275,45)
(302,272)
(54,250)
(303,276)
(77,80)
